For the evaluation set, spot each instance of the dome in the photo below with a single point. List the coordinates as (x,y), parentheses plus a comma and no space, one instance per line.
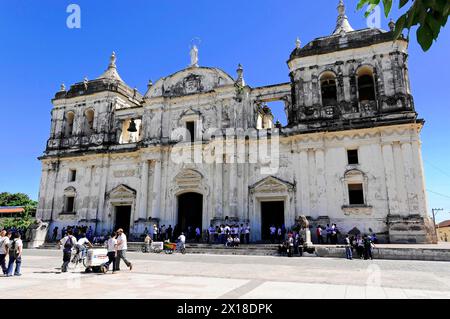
(192,80)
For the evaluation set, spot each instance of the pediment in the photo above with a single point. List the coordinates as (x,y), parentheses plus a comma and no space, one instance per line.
(190,81)
(272,184)
(122,191)
(70,191)
(189,176)
(190,112)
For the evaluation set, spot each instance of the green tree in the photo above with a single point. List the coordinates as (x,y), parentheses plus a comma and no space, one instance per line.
(18,199)
(429,15)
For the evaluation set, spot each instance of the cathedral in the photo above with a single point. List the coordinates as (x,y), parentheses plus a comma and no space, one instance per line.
(201,146)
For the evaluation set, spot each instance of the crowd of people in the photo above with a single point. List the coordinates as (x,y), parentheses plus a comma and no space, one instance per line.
(226,234)
(327,235)
(229,235)
(77,231)
(362,244)
(277,234)
(293,245)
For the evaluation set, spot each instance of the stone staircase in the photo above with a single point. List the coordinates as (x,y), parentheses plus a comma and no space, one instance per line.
(201,248)
(249,250)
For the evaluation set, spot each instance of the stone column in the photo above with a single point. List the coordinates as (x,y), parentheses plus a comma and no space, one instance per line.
(410,178)
(42,211)
(312,176)
(321,183)
(299,184)
(389,170)
(157,190)
(142,213)
(420,178)
(401,181)
(87,208)
(232,199)
(304,180)
(102,213)
(218,191)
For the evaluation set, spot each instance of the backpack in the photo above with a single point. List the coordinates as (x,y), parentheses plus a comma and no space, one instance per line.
(13,251)
(68,244)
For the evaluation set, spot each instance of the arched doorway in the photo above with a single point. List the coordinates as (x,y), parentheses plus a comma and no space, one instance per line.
(190,212)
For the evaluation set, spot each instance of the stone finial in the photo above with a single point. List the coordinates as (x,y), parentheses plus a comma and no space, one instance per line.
(194,57)
(391,25)
(112,60)
(85,82)
(341,7)
(342,24)
(111,72)
(63,87)
(298,43)
(149,84)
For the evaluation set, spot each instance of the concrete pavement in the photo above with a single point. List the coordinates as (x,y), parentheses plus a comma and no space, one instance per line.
(217,276)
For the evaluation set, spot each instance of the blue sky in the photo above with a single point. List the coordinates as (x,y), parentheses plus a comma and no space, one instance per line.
(152,39)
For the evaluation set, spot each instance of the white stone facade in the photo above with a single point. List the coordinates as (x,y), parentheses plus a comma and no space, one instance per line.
(308,168)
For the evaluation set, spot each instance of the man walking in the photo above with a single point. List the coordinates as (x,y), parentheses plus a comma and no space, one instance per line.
(348,248)
(68,242)
(15,255)
(4,247)
(122,250)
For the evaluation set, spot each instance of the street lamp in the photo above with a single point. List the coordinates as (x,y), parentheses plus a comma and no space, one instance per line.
(435,211)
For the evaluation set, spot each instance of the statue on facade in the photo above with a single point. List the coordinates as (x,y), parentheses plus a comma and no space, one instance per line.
(194,57)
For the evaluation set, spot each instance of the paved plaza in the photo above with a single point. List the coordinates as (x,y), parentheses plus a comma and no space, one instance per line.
(247,277)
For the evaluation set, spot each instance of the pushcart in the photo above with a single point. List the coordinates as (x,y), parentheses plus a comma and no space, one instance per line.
(95,259)
(170,248)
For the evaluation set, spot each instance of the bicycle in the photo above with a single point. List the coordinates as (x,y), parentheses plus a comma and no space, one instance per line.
(77,258)
(155,247)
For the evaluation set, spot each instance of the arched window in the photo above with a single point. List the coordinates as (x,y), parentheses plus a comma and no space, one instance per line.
(264,118)
(366,84)
(70,117)
(129,135)
(89,121)
(328,89)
